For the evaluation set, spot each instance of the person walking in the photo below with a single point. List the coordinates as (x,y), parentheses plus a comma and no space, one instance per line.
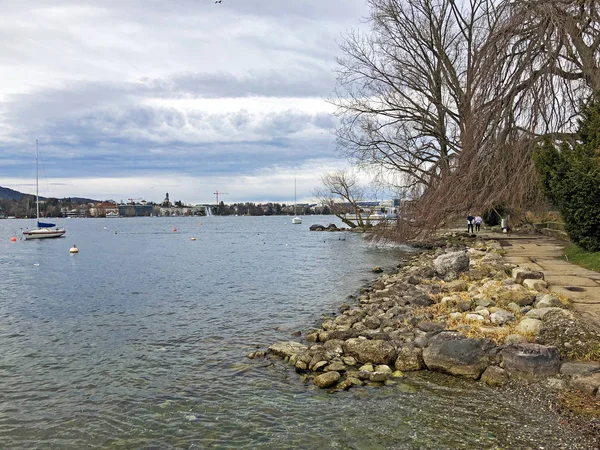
(470,221)
(478,221)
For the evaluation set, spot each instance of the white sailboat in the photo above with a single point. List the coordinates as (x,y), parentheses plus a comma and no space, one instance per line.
(296,219)
(43,230)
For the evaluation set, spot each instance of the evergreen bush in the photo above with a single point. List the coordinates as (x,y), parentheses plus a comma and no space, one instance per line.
(493,215)
(570,177)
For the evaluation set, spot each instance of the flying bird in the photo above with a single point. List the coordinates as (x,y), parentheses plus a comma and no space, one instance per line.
(218,1)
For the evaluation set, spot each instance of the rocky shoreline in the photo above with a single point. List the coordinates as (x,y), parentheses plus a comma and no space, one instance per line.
(456,308)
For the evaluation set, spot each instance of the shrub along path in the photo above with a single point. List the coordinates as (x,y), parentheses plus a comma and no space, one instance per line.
(545,254)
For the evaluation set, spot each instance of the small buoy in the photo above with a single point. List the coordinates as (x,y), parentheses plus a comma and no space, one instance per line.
(174,229)
(74,249)
(201,224)
(193,239)
(13,239)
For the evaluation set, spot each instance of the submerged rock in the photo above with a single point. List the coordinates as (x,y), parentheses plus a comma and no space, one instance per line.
(326,379)
(451,352)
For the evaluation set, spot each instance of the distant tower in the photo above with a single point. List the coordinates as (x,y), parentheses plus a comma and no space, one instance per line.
(166,201)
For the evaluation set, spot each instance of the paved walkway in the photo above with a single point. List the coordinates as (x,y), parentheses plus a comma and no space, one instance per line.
(543,253)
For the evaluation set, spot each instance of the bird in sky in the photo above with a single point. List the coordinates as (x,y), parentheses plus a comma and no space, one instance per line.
(218,1)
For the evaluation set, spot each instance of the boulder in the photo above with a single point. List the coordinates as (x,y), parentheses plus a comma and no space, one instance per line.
(514,294)
(287,349)
(316,227)
(373,351)
(515,339)
(530,360)
(586,383)
(327,379)
(541,313)
(530,326)
(536,285)
(494,376)
(409,359)
(450,265)
(521,273)
(579,367)
(548,301)
(452,353)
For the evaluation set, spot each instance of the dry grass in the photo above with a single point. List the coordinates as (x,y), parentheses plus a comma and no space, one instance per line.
(589,352)
(581,404)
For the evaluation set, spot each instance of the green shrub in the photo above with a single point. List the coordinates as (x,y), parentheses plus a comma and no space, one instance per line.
(492,216)
(570,177)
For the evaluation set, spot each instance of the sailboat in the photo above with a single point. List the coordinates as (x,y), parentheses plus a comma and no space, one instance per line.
(43,230)
(296,219)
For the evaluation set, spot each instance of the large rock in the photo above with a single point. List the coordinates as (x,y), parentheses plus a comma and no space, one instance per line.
(530,360)
(548,301)
(530,326)
(586,383)
(409,359)
(514,294)
(287,349)
(536,285)
(579,367)
(450,265)
(327,379)
(452,353)
(521,273)
(373,351)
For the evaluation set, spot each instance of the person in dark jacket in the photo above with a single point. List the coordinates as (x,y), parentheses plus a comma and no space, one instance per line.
(470,222)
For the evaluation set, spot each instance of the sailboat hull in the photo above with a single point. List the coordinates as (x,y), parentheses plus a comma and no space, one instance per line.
(42,233)
(296,220)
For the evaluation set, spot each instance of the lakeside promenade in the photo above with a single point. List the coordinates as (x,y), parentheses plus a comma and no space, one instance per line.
(545,254)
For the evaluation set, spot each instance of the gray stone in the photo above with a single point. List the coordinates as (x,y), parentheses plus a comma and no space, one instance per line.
(383,368)
(530,326)
(485,302)
(452,353)
(372,322)
(327,379)
(475,317)
(379,376)
(349,360)
(450,265)
(334,345)
(536,285)
(464,305)
(556,384)
(548,301)
(513,307)
(494,376)
(409,359)
(530,360)
(431,326)
(586,383)
(501,316)
(287,349)
(579,367)
(515,294)
(521,273)
(335,366)
(540,313)
(373,351)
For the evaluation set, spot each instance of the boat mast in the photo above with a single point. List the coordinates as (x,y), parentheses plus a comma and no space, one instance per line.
(295,209)
(37,194)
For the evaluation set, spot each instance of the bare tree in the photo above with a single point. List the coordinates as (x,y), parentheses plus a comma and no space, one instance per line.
(347,198)
(455,95)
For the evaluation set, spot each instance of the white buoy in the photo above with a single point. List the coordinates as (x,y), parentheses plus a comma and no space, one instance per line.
(192,239)
(74,249)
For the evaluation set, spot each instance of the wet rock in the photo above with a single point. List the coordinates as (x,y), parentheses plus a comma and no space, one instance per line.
(501,317)
(579,367)
(335,366)
(334,346)
(327,379)
(377,269)
(494,376)
(378,376)
(530,326)
(586,383)
(350,382)
(374,351)
(287,349)
(409,359)
(530,360)
(452,353)
(349,360)
(450,265)
(521,273)
(254,355)
(383,368)
(412,280)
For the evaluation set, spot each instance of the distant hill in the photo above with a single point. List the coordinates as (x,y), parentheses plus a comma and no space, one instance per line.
(10,194)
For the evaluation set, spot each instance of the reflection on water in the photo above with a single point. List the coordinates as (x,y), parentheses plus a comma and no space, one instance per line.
(139,341)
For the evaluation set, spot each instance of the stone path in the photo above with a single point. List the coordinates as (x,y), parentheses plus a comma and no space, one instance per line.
(545,254)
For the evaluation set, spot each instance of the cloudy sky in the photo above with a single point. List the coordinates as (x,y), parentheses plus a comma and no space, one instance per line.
(135,98)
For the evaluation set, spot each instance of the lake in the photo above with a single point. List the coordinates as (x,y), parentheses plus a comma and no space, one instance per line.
(140,341)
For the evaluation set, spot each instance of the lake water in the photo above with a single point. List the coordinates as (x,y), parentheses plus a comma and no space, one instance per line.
(139,341)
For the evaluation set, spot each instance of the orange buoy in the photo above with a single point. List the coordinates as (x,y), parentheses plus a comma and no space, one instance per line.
(13,239)
(174,229)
